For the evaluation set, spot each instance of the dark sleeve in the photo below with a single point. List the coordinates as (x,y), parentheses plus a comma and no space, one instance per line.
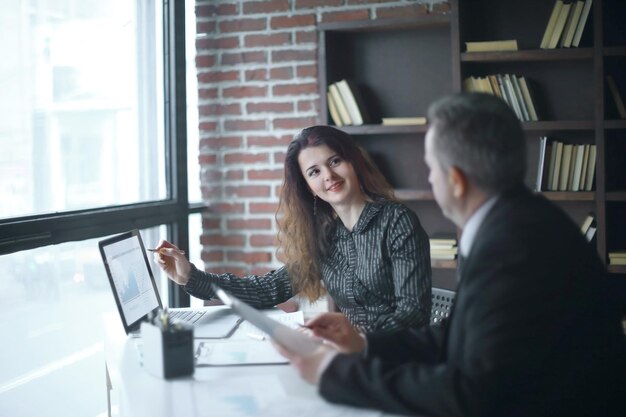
(409,250)
(260,291)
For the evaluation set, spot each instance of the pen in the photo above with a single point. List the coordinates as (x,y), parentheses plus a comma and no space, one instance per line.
(161,250)
(256,336)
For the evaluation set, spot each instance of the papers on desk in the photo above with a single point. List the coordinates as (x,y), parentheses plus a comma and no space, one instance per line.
(301,407)
(248,346)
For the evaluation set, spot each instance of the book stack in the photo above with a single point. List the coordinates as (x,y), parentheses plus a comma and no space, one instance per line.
(588,227)
(491,46)
(443,248)
(345,104)
(569,167)
(617,258)
(511,88)
(566,24)
(404,121)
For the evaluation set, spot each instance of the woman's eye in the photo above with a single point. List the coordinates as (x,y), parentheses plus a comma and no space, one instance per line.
(313,172)
(335,161)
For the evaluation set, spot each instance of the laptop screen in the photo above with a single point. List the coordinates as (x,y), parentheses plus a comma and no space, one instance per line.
(130,276)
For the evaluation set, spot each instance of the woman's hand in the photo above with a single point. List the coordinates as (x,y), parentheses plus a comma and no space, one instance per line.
(173,262)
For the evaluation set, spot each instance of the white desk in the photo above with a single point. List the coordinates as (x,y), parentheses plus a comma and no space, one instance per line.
(220,391)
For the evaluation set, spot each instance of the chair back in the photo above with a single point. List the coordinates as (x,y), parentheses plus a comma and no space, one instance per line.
(442,301)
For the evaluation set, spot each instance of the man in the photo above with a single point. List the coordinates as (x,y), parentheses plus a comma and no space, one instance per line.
(533,331)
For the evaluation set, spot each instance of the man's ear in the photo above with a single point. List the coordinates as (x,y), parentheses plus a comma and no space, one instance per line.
(457,180)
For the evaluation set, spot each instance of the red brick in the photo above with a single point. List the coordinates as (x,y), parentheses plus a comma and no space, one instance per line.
(207,159)
(353,2)
(244,58)
(212,256)
(205,27)
(272,39)
(221,142)
(246,158)
(265,174)
(248,257)
(269,107)
(234,174)
(256,75)
(243,25)
(219,109)
(205,61)
(207,127)
(205,93)
(441,8)
(263,240)
(402,11)
(294,123)
(212,192)
(238,125)
(211,223)
(227,208)
(210,175)
(282,73)
(302,20)
(278,189)
(209,10)
(305,71)
(222,240)
(294,89)
(269,140)
(306,37)
(260,208)
(294,55)
(244,92)
(307,105)
(266,6)
(244,224)
(212,43)
(279,157)
(247,191)
(309,4)
(345,16)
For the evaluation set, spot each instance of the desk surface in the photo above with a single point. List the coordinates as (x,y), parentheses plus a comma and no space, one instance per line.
(221,391)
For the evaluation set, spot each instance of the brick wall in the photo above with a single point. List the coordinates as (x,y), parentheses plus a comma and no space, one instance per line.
(257,87)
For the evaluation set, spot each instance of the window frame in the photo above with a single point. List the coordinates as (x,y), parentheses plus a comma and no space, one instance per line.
(29,232)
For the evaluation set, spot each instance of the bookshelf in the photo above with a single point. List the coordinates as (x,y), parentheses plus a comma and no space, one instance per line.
(402,65)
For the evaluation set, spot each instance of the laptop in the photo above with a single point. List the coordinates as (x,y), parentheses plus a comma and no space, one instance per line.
(137,297)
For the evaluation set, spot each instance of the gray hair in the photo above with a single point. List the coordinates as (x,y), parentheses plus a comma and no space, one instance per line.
(479,134)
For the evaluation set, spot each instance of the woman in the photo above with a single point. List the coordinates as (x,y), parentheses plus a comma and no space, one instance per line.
(341,232)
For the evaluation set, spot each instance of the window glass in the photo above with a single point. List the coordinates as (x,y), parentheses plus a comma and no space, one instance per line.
(193,164)
(81,110)
(52,300)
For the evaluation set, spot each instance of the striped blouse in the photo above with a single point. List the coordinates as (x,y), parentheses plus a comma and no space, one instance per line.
(378,274)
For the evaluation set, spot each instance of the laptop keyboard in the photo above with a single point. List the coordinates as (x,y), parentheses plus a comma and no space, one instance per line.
(188,316)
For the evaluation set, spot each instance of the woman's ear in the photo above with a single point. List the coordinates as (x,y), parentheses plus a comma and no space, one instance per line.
(457,180)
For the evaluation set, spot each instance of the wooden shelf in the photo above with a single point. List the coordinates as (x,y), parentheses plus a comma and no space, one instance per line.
(569,195)
(558,125)
(616,196)
(413,22)
(616,269)
(443,263)
(570,54)
(383,130)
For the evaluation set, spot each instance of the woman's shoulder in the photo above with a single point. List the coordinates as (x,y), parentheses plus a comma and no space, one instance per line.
(395,208)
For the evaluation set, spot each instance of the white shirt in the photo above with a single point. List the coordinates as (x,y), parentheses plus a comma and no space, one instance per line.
(473,224)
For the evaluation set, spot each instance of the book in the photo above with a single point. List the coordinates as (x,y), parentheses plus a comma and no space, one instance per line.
(520,98)
(580,27)
(572,22)
(617,258)
(555,165)
(617,98)
(401,121)
(491,46)
(591,232)
(587,222)
(566,161)
(532,112)
(354,104)
(578,166)
(547,35)
(332,109)
(591,168)
(559,26)
(583,171)
(443,240)
(341,107)
(541,164)
(508,83)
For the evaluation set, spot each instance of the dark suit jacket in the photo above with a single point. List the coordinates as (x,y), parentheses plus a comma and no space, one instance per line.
(533,331)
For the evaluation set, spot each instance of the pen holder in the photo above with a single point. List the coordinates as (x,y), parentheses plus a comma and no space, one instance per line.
(168,351)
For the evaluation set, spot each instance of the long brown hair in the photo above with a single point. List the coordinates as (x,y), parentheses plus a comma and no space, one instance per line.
(304,236)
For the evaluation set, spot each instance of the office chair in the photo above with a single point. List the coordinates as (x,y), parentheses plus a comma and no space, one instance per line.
(442,301)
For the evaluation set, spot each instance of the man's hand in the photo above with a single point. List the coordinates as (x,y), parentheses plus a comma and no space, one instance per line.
(310,366)
(336,329)
(173,262)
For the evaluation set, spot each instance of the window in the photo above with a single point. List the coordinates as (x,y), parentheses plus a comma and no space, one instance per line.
(89,150)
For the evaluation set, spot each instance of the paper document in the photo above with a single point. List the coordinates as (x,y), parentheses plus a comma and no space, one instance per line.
(291,339)
(240,352)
